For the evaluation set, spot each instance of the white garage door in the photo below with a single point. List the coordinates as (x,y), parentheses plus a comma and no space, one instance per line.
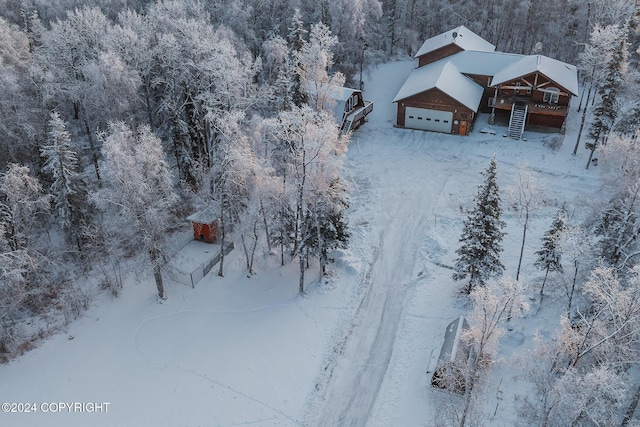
(434,120)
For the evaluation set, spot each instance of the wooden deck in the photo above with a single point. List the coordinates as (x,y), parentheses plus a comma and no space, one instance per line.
(533,107)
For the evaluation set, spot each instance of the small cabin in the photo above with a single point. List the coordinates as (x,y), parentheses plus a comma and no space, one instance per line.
(455,353)
(348,106)
(205,225)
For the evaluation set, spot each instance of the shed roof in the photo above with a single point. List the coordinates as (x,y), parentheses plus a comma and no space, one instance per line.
(464,38)
(204,216)
(446,77)
(564,74)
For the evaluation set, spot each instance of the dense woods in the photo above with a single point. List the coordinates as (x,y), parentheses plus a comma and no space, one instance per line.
(119,118)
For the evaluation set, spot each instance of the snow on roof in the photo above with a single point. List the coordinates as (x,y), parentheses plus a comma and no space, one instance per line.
(564,74)
(465,39)
(482,63)
(445,76)
(204,216)
(338,94)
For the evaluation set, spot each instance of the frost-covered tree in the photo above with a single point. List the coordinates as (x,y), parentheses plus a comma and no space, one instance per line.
(479,253)
(309,151)
(608,332)
(526,196)
(493,304)
(20,107)
(618,225)
(576,246)
(606,110)
(549,257)
(232,176)
(138,186)
(67,188)
(315,62)
(22,200)
(67,49)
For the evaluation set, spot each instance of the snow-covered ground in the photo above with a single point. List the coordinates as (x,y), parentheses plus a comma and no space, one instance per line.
(356,349)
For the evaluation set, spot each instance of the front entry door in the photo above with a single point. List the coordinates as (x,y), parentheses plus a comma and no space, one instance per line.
(462,130)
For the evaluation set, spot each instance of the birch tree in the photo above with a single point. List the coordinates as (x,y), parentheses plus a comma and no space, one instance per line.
(138,186)
(526,196)
(493,304)
(309,146)
(22,201)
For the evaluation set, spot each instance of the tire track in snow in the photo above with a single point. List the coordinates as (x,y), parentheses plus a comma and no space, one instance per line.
(364,353)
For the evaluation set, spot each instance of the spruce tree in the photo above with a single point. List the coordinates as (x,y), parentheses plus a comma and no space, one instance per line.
(67,189)
(549,256)
(606,111)
(479,255)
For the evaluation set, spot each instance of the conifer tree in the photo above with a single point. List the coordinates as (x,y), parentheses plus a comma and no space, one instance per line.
(606,111)
(479,255)
(550,255)
(69,196)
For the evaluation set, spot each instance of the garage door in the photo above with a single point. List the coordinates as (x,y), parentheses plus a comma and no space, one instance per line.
(434,120)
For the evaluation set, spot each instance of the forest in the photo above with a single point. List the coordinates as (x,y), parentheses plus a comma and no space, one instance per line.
(120,118)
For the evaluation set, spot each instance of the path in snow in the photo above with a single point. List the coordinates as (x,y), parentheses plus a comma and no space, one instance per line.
(398,214)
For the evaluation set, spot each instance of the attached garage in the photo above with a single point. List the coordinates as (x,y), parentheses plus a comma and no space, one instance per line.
(425,119)
(438,98)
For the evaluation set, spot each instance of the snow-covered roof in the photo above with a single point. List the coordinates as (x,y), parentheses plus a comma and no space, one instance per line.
(482,63)
(445,76)
(338,94)
(464,38)
(564,74)
(204,216)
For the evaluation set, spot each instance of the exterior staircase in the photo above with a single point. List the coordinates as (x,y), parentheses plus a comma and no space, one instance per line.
(517,120)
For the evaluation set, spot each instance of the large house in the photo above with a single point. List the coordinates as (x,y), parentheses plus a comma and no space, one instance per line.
(460,74)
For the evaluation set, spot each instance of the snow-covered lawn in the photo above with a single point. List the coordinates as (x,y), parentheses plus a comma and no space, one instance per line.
(250,351)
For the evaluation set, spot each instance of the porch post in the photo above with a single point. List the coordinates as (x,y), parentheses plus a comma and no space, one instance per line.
(492,117)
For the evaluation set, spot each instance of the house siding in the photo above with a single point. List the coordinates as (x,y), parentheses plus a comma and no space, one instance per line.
(438,54)
(435,99)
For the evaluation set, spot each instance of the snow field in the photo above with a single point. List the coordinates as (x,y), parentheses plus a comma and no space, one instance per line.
(356,349)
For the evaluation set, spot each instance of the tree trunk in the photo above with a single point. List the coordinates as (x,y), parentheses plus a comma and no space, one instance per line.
(92,144)
(584,116)
(524,237)
(546,273)
(573,287)
(222,240)
(155,256)
(302,268)
(266,225)
(468,393)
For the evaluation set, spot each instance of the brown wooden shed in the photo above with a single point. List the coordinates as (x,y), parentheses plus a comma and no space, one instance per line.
(205,225)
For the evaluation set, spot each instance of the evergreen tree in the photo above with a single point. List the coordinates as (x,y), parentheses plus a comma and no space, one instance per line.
(479,255)
(549,256)
(606,111)
(296,39)
(67,189)
(324,226)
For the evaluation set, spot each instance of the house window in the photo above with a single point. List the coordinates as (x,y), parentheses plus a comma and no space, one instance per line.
(552,95)
(411,117)
(492,102)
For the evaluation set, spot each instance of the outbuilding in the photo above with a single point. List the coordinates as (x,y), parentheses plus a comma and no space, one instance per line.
(205,225)
(449,372)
